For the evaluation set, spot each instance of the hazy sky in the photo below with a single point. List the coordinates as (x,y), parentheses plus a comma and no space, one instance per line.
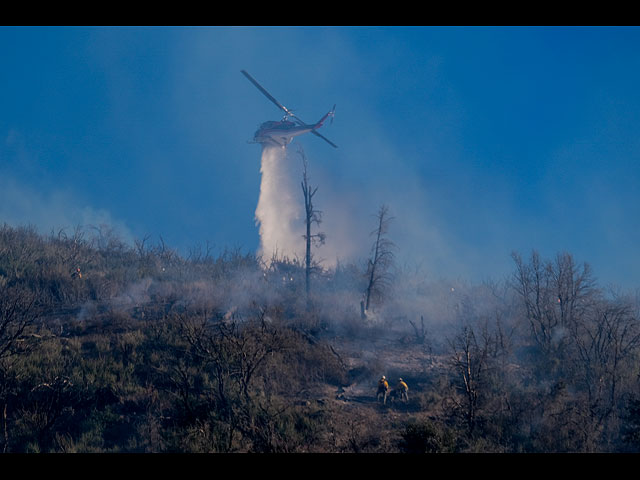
(481,140)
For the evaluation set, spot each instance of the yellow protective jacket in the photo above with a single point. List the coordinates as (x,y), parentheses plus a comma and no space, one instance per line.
(383,385)
(402,386)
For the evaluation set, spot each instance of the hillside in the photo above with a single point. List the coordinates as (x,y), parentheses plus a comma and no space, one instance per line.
(106,347)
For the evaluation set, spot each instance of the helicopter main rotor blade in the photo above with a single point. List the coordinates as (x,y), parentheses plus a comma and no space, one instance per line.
(324,138)
(266,94)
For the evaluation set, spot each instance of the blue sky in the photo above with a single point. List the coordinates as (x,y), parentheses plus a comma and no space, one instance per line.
(481,140)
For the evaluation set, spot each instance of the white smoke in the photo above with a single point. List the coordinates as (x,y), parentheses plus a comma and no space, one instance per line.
(53,210)
(279,212)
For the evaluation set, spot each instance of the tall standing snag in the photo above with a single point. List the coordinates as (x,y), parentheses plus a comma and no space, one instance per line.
(380,261)
(311,216)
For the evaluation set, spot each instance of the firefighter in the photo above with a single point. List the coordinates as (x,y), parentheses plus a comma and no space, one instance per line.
(403,390)
(383,389)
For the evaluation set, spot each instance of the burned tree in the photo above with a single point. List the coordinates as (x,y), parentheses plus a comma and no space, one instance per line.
(380,260)
(555,296)
(469,362)
(17,314)
(311,216)
(606,342)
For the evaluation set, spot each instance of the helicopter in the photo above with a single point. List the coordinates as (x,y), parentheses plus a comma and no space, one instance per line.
(281,133)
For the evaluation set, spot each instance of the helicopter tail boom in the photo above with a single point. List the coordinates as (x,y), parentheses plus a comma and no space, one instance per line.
(328,114)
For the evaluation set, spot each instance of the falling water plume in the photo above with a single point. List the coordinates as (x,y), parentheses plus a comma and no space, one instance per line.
(279,213)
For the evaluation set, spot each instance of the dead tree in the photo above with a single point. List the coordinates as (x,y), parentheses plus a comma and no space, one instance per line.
(311,216)
(380,261)
(421,334)
(607,342)
(18,312)
(469,360)
(555,296)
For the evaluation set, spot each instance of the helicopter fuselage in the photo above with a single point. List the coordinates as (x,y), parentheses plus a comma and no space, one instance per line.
(280,133)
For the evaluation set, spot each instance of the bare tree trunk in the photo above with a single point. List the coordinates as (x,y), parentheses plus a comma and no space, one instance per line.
(470,362)
(381,258)
(311,216)
(420,332)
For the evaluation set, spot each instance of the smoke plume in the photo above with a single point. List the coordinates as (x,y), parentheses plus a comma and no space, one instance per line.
(279,211)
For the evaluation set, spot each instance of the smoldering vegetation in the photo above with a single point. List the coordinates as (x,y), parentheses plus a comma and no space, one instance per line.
(110,347)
